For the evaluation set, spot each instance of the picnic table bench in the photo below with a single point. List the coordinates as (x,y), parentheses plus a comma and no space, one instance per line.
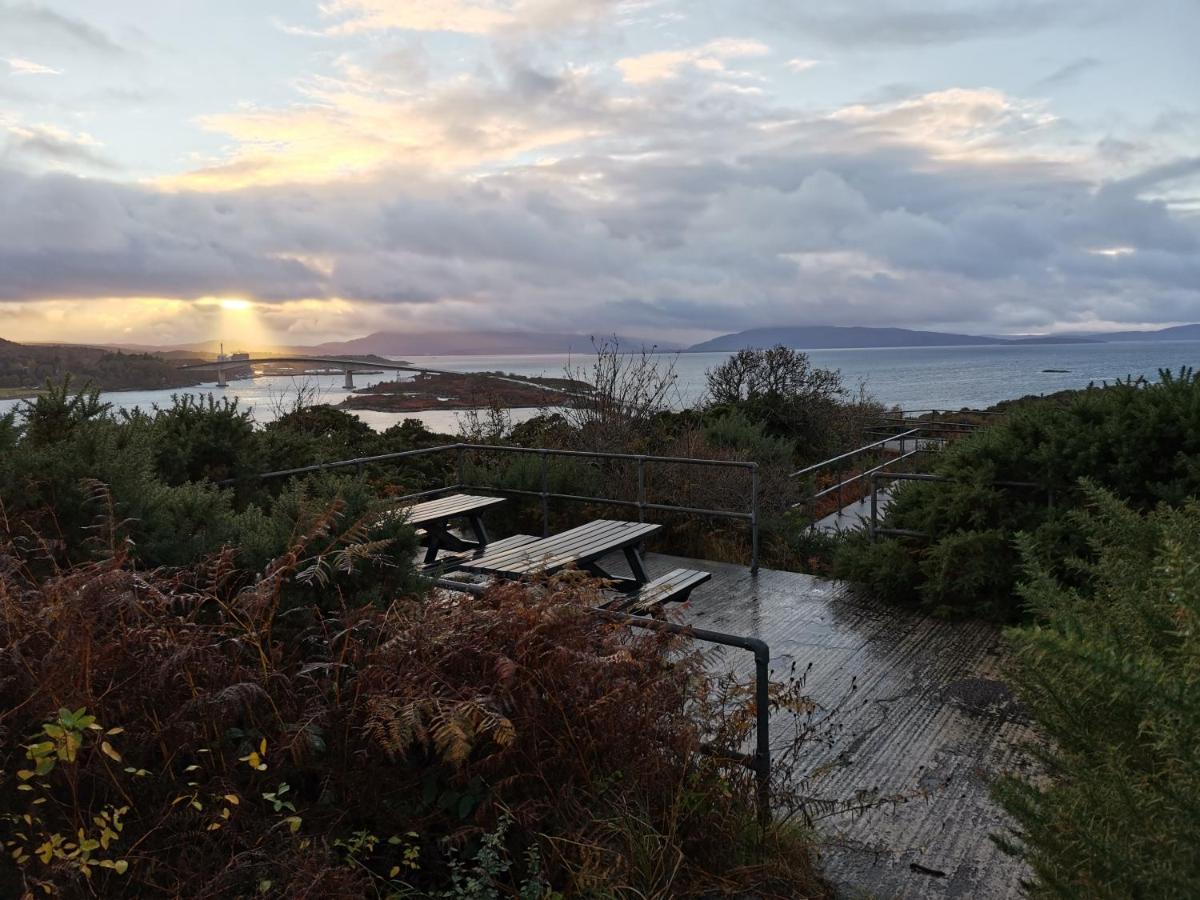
(524,555)
(434,518)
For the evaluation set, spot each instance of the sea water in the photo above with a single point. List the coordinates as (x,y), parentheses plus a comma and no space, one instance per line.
(944,378)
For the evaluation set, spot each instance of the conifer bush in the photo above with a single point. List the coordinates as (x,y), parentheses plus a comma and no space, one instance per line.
(1140,441)
(1110,672)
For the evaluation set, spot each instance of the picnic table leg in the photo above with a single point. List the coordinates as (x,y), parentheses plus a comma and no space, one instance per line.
(481,534)
(634,557)
(431,551)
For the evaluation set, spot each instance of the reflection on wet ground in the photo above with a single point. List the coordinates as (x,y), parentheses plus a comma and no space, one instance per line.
(929,717)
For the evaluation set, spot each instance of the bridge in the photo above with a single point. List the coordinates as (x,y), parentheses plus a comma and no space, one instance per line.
(348,366)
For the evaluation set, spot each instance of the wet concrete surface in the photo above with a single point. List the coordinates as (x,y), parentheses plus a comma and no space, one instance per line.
(921,712)
(854,515)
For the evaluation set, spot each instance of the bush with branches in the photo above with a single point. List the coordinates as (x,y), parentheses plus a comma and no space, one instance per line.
(793,399)
(1141,441)
(70,461)
(1109,672)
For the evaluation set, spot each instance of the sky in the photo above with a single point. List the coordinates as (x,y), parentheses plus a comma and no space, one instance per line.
(294,172)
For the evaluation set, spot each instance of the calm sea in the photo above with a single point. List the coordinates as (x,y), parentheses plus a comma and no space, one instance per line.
(910,377)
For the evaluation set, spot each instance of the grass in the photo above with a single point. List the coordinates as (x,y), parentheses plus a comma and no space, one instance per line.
(22,393)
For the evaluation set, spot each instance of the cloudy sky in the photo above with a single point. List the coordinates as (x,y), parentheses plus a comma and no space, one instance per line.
(300,171)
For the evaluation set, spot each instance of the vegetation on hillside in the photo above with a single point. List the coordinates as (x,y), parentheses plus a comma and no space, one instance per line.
(468,390)
(32,366)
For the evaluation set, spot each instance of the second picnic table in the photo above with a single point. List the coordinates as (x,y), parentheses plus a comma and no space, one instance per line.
(523,555)
(435,516)
(583,547)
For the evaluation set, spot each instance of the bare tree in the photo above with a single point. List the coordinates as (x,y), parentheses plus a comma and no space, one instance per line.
(487,424)
(303,393)
(628,391)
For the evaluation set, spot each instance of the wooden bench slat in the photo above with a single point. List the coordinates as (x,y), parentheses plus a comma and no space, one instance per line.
(575,542)
(448,507)
(590,545)
(677,584)
(450,560)
(551,546)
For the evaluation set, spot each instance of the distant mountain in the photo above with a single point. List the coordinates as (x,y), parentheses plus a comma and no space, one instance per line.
(1052,339)
(1175,333)
(829,337)
(196,350)
(468,343)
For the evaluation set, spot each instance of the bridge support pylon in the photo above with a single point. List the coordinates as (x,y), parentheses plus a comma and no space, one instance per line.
(221,382)
(348,384)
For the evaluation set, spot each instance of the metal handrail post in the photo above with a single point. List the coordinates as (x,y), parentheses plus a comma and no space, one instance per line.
(462,476)
(762,728)
(754,520)
(545,495)
(762,691)
(874,506)
(641,498)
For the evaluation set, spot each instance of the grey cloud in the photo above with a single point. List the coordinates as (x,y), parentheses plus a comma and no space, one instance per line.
(42,145)
(891,23)
(664,221)
(1067,74)
(1180,168)
(46,23)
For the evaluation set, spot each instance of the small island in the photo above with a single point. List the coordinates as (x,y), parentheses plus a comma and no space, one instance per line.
(468,390)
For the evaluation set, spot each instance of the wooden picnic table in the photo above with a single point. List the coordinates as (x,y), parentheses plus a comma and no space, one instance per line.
(435,516)
(583,547)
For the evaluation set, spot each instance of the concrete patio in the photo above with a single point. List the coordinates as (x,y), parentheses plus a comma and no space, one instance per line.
(929,718)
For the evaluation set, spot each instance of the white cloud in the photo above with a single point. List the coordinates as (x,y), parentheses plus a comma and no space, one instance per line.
(709,57)
(802,65)
(466,16)
(965,122)
(18,66)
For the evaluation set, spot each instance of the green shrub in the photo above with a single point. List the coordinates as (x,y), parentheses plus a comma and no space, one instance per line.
(203,438)
(1110,673)
(1140,441)
(887,569)
(325,501)
(81,481)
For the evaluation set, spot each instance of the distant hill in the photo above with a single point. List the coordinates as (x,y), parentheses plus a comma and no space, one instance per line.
(468,343)
(31,365)
(1175,333)
(829,337)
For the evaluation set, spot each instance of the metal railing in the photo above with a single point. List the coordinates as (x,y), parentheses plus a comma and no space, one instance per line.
(760,761)
(641,503)
(839,462)
(873,527)
(936,428)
